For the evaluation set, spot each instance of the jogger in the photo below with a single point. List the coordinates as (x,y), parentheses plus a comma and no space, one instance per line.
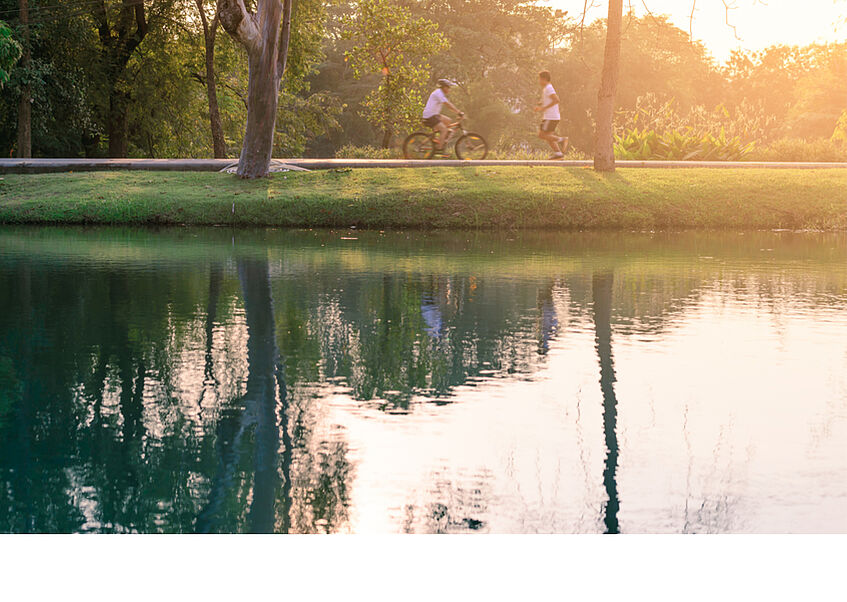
(549,107)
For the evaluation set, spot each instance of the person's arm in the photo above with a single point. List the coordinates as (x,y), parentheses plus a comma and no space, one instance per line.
(554,100)
(452,107)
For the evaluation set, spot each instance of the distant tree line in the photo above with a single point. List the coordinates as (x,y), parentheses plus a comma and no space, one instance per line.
(153,78)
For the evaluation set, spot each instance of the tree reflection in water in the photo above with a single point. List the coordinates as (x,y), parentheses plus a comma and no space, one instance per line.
(602,295)
(178,396)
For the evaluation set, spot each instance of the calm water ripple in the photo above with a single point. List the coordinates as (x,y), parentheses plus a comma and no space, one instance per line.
(186,380)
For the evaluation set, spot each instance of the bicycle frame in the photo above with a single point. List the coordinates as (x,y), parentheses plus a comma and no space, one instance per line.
(452,130)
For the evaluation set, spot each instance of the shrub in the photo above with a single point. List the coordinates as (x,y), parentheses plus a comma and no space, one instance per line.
(839,135)
(787,149)
(367,152)
(528,153)
(688,145)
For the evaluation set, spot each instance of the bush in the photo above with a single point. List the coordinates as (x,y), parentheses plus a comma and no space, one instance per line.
(658,131)
(687,145)
(528,153)
(746,121)
(787,149)
(367,152)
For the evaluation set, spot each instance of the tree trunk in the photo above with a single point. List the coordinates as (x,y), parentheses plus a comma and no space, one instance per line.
(218,142)
(116,49)
(267,53)
(604,152)
(117,124)
(209,34)
(262,102)
(387,134)
(25,104)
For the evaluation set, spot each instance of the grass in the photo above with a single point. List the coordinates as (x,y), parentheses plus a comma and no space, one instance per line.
(461,197)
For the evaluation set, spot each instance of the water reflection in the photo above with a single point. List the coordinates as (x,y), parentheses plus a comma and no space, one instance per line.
(205,381)
(602,295)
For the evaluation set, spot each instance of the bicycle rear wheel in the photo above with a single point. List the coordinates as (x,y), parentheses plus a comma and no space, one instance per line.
(418,146)
(471,147)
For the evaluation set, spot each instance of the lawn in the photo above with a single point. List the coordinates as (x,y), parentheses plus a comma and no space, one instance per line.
(461,197)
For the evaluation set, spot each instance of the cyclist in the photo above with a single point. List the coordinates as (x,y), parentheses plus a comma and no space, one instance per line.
(432,116)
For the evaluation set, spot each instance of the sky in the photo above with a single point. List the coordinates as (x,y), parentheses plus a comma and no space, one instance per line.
(759,23)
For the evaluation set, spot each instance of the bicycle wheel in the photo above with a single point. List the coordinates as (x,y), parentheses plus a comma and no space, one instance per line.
(471,147)
(418,146)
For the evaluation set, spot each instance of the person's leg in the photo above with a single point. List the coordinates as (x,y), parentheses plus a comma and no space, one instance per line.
(551,139)
(547,133)
(442,128)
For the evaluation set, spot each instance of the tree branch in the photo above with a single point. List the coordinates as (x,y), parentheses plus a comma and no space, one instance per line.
(728,8)
(691,20)
(239,23)
(284,38)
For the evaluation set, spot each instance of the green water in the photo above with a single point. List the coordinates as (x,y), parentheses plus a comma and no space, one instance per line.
(212,380)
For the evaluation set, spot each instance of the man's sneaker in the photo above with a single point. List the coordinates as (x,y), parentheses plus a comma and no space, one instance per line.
(556,156)
(563,144)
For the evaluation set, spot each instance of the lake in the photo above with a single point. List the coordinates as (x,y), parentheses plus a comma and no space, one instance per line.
(211,380)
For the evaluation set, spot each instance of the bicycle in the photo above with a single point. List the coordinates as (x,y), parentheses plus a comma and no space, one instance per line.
(468,145)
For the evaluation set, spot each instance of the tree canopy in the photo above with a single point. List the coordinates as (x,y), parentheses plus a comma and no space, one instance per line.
(121,77)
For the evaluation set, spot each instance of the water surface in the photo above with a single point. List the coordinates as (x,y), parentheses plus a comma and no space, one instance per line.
(208,380)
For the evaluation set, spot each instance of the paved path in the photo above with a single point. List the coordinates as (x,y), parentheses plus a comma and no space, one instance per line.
(66,165)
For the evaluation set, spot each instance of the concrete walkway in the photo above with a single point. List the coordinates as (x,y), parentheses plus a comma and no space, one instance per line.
(68,165)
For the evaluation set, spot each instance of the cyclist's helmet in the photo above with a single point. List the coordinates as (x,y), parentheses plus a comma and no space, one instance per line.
(445,83)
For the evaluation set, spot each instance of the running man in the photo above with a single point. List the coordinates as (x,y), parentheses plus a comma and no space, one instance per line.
(432,116)
(549,106)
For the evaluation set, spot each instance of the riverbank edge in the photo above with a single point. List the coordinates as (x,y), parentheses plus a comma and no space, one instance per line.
(484,197)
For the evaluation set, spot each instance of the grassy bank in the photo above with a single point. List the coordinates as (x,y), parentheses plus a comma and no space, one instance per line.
(461,197)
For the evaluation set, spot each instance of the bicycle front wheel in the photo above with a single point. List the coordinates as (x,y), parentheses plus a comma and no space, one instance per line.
(418,146)
(471,147)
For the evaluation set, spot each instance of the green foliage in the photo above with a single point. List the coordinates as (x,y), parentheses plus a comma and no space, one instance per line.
(746,121)
(335,93)
(496,49)
(10,52)
(303,117)
(389,42)
(658,131)
(350,151)
(801,87)
(839,136)
(673,145)
(792,149)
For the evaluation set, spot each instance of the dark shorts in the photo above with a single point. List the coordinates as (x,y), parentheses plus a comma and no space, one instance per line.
(431,122)
(549,125)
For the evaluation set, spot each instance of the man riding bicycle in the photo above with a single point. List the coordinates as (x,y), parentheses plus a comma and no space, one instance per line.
(432,116)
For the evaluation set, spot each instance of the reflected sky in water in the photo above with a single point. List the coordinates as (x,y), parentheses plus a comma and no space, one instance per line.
(211,380)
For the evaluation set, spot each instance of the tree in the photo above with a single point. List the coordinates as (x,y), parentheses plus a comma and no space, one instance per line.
(10,52)
(210,30)
(118,40)
(266,43)
(604,152)
(389,41)
(25,102)
(496,49)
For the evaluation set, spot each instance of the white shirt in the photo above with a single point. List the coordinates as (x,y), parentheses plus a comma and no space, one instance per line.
(434,104)
(551,114)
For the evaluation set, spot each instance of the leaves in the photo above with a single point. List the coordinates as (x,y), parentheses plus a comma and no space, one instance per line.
(10,52)
(388,41)
(675,145)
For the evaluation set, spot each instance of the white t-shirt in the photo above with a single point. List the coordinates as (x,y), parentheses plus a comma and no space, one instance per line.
(551,114)
(434,104)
